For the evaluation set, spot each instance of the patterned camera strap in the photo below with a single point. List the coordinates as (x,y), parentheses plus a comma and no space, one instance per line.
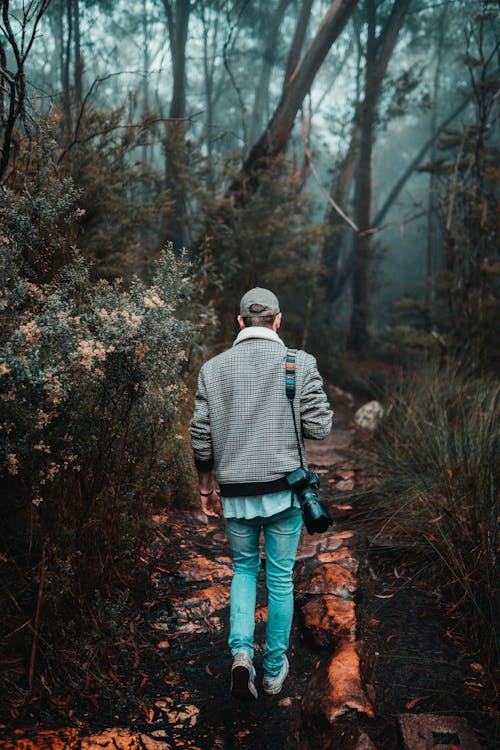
(290,372)
(291,356)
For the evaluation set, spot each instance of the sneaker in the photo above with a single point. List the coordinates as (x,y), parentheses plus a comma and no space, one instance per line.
(243,677)
(272,683)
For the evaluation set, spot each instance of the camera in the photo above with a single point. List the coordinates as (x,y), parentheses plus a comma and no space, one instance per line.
(305,484)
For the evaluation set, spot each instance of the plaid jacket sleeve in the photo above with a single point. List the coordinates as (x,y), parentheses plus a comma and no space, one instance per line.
(315,413)
(201,436)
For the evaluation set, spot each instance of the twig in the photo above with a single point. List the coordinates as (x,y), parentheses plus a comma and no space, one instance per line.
(37,620)
(329,198)
(454,185)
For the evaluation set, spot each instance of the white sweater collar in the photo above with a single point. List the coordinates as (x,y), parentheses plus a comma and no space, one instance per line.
(257,332)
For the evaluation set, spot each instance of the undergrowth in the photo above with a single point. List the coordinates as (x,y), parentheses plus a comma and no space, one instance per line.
(438,454)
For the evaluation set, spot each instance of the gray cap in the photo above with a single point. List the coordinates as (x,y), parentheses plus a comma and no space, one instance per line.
(258,296)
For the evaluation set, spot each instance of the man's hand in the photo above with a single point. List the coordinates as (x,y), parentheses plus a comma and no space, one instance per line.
(211,504)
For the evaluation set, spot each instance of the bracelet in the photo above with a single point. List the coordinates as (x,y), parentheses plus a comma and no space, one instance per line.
(206,494)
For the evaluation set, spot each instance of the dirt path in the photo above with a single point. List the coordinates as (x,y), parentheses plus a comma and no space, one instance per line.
(363,650)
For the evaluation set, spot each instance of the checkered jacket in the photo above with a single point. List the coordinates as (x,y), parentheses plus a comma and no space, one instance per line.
(242,424)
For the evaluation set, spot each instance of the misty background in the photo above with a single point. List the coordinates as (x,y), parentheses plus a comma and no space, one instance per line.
(183,90)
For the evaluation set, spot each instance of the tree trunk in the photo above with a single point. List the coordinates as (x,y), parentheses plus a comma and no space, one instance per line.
(298,40)
(78,61)
(337,273)
(145,64)
(261,99)
(360,279)
(209,51)
(275,137)
(379,52)
(66,63)
(175,141)
(432,225)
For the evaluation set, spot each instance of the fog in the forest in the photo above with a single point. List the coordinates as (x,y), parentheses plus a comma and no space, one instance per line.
(357,131)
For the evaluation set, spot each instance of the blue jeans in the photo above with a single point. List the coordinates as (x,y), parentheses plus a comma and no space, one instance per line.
(281,537)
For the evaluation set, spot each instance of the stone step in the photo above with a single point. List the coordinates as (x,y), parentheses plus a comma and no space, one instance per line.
(432,732)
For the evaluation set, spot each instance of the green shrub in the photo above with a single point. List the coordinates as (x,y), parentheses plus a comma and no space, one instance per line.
(264,237)
(439,457)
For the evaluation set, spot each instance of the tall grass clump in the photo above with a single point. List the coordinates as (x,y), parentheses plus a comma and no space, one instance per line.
(439,458)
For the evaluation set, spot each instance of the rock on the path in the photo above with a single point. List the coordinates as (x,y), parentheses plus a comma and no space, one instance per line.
(426,731)
(196,612)
(336,690)
(64,739)
(330,578)
(369,415)
(327,619)
(364,743)
(312,545)
(203,569)
(341,557)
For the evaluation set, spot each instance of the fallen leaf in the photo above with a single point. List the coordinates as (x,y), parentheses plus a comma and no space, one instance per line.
(411,704)
(374,622)
(94,698)
(477,667)
(345,473)
(61,702)
(345,485)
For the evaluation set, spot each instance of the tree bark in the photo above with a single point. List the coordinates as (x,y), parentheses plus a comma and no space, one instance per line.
(298,40)
(432,227)
(383,48)
(261,97)
(78,61)
(209,51)
(175,140)
(360,279)
(66,71)
(275,137)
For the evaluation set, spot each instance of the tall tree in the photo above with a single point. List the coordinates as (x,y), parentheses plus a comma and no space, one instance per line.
(432,224)
(261,97)
(298,39)
(178,13)
(274,138)
(378,53)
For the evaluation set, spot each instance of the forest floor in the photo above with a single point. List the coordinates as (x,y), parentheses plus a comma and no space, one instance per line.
(372,646)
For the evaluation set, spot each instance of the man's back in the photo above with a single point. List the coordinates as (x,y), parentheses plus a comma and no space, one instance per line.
(251,429)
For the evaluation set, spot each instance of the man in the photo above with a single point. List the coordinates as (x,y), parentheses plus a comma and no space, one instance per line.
(243,437)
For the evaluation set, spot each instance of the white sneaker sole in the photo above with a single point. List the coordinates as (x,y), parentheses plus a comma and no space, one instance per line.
(274,688)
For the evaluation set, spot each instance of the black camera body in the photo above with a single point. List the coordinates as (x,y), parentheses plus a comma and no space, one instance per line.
(305,484)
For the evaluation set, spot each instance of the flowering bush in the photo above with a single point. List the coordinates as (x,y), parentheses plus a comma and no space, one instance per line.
(90,388)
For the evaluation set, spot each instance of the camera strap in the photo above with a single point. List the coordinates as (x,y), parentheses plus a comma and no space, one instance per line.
(290,371)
